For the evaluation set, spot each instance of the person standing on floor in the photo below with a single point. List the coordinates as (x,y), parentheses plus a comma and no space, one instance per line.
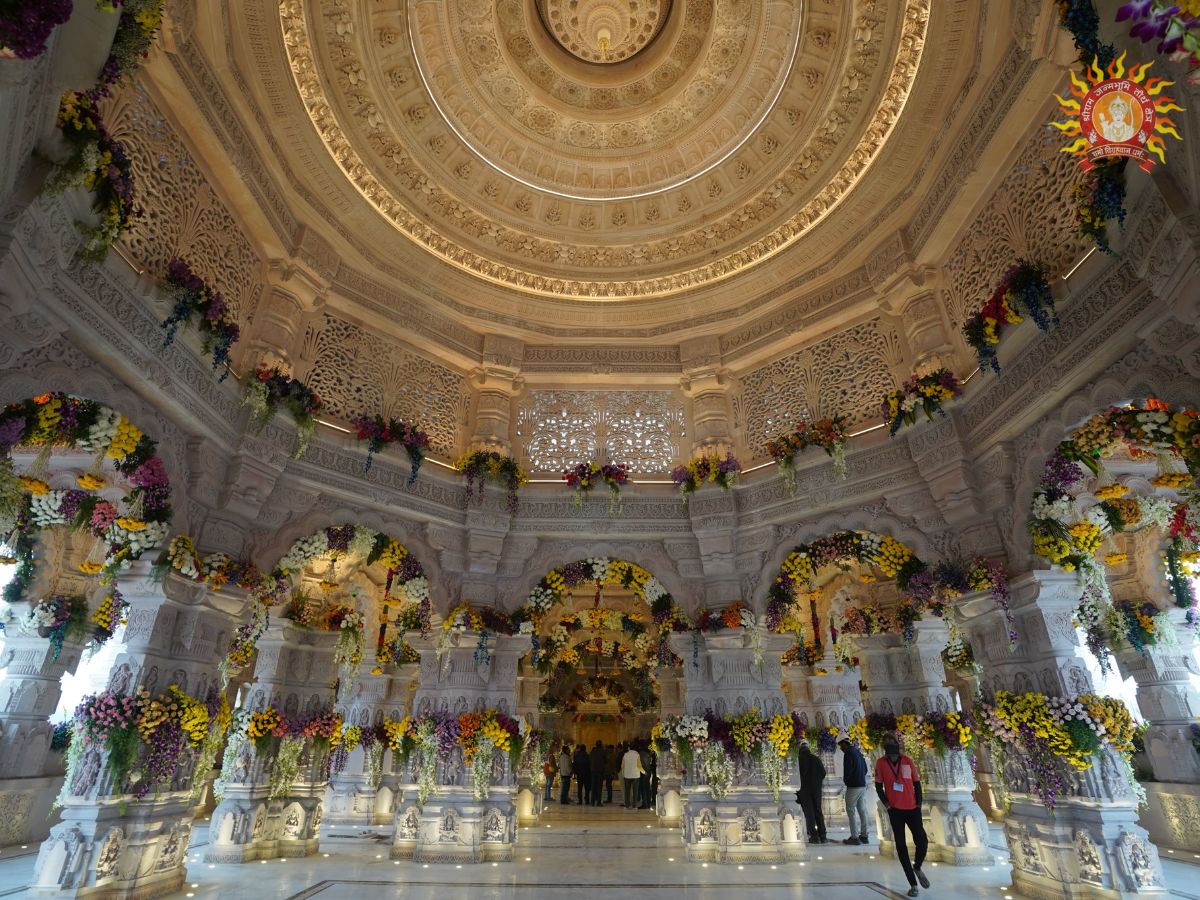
(599,764)
(899,788)
(644,779)
(812,780)
(581,765)
(854,774)
(564,773)
(612,769)
(549,768)
(631,772)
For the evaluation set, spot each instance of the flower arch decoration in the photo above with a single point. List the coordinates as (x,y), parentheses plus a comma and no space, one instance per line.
(550,592)
(925,588)
(125,460)
(406,587)
(1069,531)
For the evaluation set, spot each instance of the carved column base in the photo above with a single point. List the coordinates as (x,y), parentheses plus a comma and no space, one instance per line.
(454,827)
(25,809)
(407,823)
(668,803)
(1172,816)
(531,799)
(956,827)
(249,828)
(747,825)
(100,850)
(833,800)
(351,801)
(1082,849)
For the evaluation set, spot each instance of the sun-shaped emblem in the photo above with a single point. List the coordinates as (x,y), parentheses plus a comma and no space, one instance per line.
(1117,113)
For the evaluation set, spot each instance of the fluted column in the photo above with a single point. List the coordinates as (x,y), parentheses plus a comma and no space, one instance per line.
(1090,844)
(909,678)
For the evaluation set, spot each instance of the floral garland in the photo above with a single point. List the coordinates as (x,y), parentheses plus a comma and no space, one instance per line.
(482,466)
(828,434)
(271,389)
(721,472)
(26,25)
(842,548)
(802,653)
(139,24)
(1172,24)
(477,734)
(483,621)
(379,433)
(99,164)
(192,297)
(1099,198)
(59,420)
(403,572)
(348,650)
(715,743)
(936,732)
(1080,18)
(146,739)
(585,476)
(1056,735)
(958,654)
(1144,625)
(1023,289)
(926,392)
(65,618)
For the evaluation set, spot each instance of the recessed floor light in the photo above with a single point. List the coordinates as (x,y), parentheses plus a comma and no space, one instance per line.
(528,859)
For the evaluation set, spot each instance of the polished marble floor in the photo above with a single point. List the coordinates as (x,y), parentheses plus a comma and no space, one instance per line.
(606,853)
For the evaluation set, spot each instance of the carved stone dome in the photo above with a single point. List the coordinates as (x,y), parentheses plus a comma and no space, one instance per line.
(604,31)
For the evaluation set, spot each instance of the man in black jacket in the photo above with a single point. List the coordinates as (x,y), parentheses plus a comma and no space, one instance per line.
(599,764)
(812,779)
(854,773)
(581,765)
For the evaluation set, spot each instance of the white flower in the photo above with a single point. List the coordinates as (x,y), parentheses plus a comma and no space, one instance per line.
(100,435)
(417,590)
(362,542)
(43,510)
(526,627)
(653,590)
(600,568)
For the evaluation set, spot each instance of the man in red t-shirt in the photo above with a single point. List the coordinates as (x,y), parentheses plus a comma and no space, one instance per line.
(899,788)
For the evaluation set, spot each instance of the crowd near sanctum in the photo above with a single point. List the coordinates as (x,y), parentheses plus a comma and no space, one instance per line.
(633,765)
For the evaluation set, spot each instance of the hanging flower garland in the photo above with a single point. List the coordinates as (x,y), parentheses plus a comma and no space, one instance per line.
(60,619)
(136,31)
(722,472)
(483,621)
(929,393)
(483,466)
(828,434)
(1172,24)
(99,164)
(1080,18)
(348,650)
(1055,736)
(145,739)
(939,733)
(125,532)
(435,736)
(192,299)
(26,25)
(379,433)
(1023,291)
(587,475)
(715,743)
(1099,199)
(1144,625)
(269,390)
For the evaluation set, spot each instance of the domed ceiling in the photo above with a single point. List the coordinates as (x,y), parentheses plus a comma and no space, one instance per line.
(580,169)
(604,149)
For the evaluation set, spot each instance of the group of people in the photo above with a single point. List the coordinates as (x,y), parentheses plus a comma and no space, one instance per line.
(898,787)
(593,771)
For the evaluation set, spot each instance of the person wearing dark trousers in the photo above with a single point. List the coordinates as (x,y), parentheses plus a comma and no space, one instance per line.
(631,770)
(612,769)
(564,774)
(644,779)
(581,765)
(854,773)
(599,764)
(812,780)
(899,788)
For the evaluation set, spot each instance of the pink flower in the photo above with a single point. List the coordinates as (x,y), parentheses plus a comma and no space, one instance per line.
(103,515)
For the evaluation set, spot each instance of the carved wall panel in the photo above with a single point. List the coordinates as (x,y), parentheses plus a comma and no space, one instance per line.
(182,215)
(1030,216)
(847,373)
(642,429)
(356,371)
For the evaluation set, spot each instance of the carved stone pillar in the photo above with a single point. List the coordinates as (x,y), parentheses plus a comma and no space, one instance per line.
(110,843)
(497,382)
(706,382)
(668,802)
(452,824)
(295,673)
(296,293)
(391,785)
(727,674)
(825,695)
(910,678)
(916,303)
(351,799)
(1090,844)
(30,775)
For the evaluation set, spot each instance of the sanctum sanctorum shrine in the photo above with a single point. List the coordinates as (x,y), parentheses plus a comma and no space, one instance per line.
(600,448)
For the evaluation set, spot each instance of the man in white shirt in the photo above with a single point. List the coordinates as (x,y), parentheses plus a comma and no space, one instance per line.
(631,773)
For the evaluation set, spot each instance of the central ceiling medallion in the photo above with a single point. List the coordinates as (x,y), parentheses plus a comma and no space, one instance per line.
(603,31)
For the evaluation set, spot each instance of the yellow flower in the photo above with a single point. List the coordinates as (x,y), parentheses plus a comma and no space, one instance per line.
(1115,559)
(131,524)
(35,486)
(90,568)
(90,482)
(1111,491)
(1172,480)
